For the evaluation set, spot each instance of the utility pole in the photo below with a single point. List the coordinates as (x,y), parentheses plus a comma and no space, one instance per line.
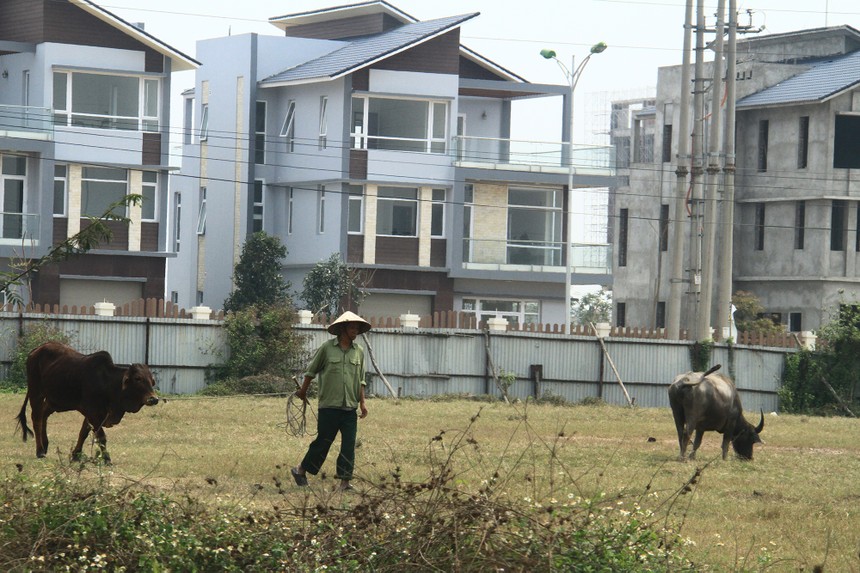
(696,165)
(676,279)
(724,294)
(709,211)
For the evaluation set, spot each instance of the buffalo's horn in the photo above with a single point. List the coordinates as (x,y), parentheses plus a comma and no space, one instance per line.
(760,426)
(711,370)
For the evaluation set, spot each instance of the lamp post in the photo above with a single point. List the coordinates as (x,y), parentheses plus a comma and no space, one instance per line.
(572,75)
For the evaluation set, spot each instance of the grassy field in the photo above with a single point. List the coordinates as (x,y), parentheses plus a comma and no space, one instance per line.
(795,507)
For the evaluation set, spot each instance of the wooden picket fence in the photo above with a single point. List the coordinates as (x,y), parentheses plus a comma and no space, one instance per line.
(142,308)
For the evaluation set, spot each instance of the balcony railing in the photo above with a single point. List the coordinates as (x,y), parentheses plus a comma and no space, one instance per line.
(19,229)
(26,122)
(536,256)
(551,157)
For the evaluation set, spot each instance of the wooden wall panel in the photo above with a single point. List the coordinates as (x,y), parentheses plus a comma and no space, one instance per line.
(397,251)
(151,154)
(441,55)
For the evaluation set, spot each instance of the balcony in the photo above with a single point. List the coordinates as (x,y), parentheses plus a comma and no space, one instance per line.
(533,156)
(19,229)
(536,256)
(26,122)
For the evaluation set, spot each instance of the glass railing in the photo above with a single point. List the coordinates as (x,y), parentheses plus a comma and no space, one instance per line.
(26,121)
(533,153)
(543,256)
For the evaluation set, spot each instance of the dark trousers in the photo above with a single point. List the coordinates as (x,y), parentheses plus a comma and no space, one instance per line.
(329,422)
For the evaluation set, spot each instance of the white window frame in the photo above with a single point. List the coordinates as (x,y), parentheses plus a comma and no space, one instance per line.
(432,142)
(201,213)
(438,204)
(17,227)
(153,187)
(290,207)
(64,180)
(355,201)
(520,316)
(143,121)
(204,122)
(323,135)
(177,221)
(321,209)
(258,213)
(288,129)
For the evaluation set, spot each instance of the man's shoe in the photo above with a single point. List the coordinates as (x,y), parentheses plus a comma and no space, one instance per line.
(301,479)
(345,486)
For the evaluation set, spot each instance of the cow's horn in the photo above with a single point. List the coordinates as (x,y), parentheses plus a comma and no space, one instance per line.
(712,369)
(760,426)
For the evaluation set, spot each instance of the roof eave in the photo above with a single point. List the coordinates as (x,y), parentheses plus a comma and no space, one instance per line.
(181,61)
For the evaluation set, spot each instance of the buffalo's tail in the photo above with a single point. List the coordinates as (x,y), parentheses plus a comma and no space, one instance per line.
(22,419)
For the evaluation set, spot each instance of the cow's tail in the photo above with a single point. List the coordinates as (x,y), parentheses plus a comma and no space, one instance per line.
(711,370)
(22,419)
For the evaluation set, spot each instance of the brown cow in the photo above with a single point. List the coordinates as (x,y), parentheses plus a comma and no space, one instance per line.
(60,379)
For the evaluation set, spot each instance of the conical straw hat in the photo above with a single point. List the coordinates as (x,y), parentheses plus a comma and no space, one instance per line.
(334,327)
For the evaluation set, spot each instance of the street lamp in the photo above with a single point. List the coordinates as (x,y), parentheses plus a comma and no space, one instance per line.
(572,75)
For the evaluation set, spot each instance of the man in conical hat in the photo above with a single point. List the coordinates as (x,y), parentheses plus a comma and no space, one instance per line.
(339,365)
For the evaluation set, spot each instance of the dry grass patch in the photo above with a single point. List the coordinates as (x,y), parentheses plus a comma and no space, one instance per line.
(795,507)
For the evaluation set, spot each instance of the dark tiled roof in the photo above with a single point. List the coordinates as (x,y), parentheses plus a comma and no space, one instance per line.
(821,81)
(357,53)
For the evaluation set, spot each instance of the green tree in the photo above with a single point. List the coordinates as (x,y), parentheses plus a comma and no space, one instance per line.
(593,307)
(257,275)
(330,283)
(749,316)
(824,380)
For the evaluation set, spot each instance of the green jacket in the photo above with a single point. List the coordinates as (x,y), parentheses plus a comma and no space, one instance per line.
(340,374)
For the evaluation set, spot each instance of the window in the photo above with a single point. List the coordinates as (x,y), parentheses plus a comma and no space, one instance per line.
(799,224)
(177,221)
(188,121)
(846,144)
(257,210)
(621,314)
(199,297)
(803,142)
(149,192)
(664,228)
(535,226)
(323,137)
(437,213)
(204,122)
(763,126)
(13,177)
(101,187)
(321,208)
(201,213)
(288,129)
(795,322)
(397,211)
(759,227)
(515,311)
(623,218)
(399,124)
(260,134)
(660,318)
(468,199)
(106,101)
(355,216)
(174,297)
(838,214)
(60,188)
(290,208)
(667,143)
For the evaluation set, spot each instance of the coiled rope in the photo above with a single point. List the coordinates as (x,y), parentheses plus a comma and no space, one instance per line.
(296,424)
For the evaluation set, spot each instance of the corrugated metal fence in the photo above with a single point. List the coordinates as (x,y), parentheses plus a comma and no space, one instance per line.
(431,361)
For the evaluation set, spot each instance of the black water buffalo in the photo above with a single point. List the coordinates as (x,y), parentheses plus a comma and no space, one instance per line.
(705,401)
(60,379)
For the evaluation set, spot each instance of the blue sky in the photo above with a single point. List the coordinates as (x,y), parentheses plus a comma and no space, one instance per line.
(642,35)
